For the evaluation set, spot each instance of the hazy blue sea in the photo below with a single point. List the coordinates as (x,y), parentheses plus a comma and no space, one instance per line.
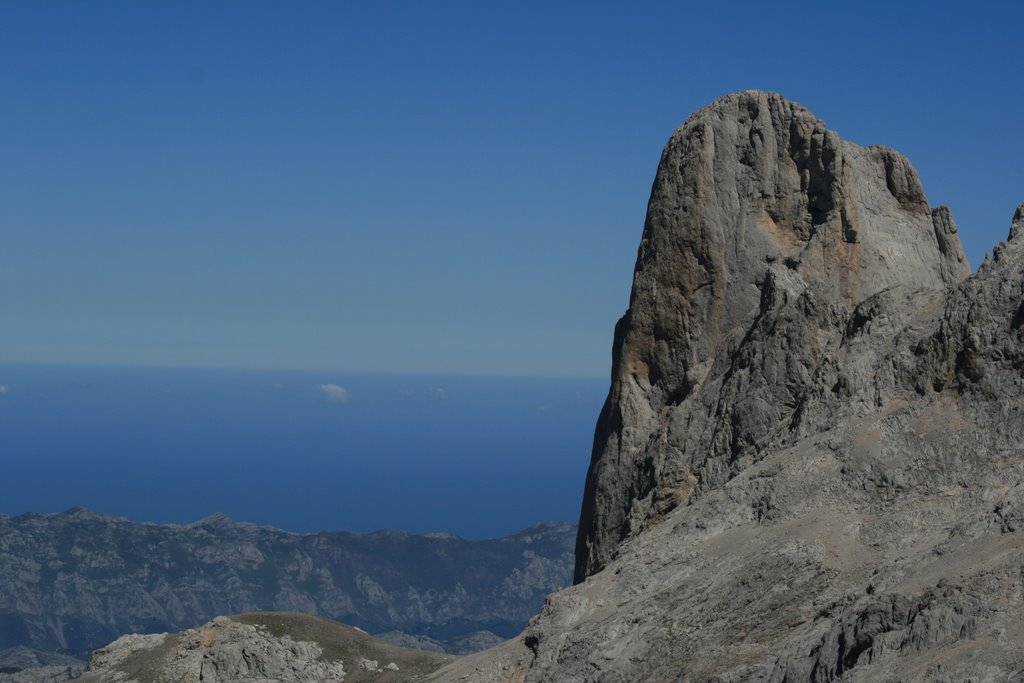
(474,456)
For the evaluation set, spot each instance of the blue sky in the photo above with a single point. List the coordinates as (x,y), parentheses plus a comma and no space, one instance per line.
(424,186)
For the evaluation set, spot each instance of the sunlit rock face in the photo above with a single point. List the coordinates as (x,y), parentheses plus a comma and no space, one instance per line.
(810,465)
(755,202)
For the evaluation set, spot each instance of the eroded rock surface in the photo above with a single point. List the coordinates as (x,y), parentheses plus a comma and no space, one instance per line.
(259,648)
(810,465)
(21,664)
(764,232)
(222,650)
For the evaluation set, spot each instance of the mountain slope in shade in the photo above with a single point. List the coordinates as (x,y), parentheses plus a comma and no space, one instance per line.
(810,465)
(75,581)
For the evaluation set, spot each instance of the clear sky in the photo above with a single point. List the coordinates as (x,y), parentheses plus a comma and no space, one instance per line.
(425,186)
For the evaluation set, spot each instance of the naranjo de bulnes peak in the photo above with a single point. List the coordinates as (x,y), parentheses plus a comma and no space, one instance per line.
(810,464)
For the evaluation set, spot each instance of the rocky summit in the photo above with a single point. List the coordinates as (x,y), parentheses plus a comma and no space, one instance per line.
(810,464)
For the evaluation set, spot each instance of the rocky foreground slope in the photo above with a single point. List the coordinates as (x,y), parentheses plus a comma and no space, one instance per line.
(278,647)
(74,581)
(810,466)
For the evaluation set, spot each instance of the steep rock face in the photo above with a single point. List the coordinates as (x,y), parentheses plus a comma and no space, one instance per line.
(755,203)
(822,480)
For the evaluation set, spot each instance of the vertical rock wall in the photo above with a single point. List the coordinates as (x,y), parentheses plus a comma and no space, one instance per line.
(755,203)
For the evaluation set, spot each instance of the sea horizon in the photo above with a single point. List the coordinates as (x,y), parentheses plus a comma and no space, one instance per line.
(300,450)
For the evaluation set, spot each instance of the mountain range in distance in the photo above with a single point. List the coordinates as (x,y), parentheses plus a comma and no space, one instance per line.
(72,582)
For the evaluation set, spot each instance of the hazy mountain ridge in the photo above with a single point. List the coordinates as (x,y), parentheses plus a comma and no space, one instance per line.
(76,580)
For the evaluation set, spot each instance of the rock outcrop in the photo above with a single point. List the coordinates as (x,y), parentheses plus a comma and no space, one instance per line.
(259,648)
(810,465)
(21,664)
